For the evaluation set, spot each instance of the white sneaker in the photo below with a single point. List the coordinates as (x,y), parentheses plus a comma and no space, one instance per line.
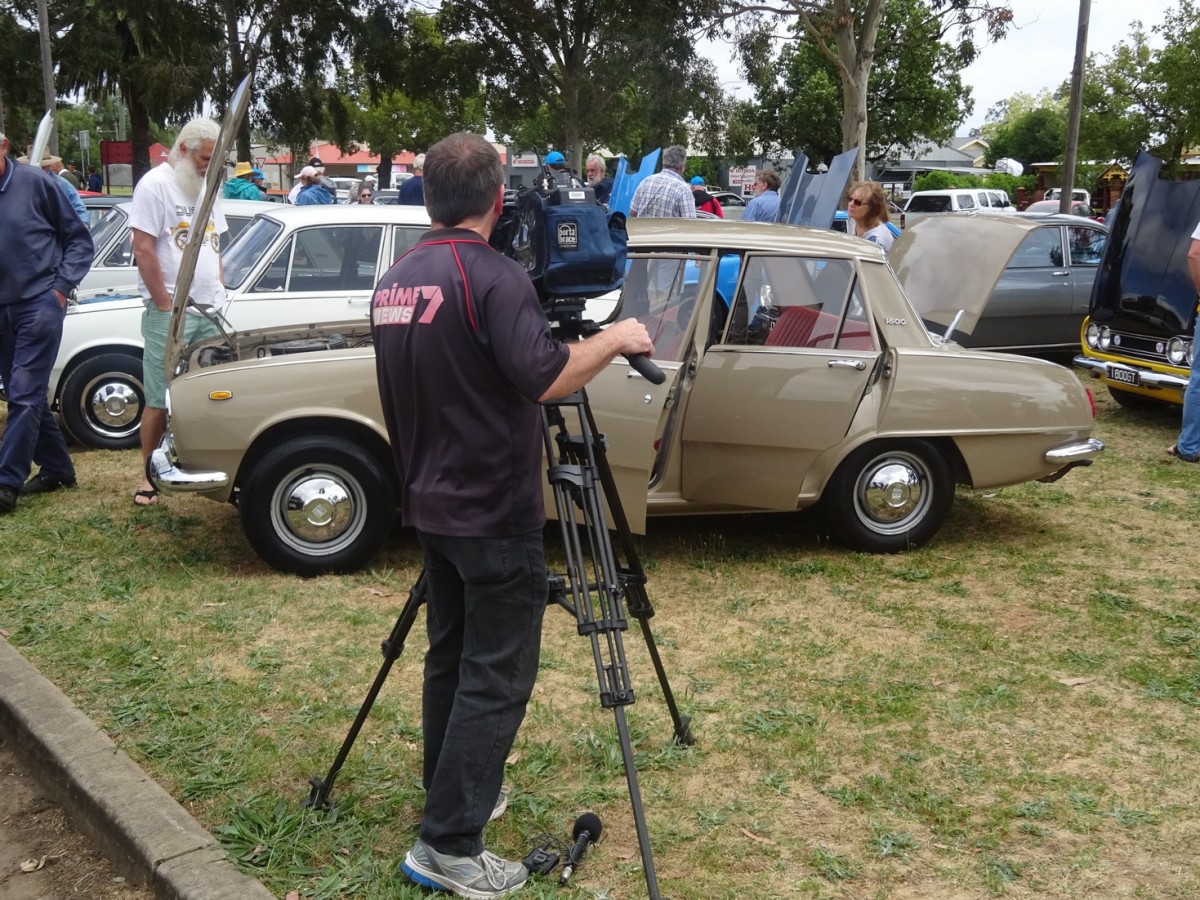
(501,803)
(476,877)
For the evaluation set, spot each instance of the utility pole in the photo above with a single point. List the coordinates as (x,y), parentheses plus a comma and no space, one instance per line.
(1068,173)
(49,94)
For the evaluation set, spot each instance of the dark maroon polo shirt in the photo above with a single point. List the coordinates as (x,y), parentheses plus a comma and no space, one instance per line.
(463,352)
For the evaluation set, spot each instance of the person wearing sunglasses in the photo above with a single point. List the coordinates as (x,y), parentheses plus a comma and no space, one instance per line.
(867,214)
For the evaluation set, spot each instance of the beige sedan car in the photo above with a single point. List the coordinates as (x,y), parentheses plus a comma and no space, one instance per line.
(798,371)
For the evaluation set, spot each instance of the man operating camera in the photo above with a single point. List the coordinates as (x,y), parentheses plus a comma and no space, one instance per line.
(464,355)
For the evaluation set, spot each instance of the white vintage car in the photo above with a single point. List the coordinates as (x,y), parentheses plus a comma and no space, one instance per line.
(291,265)
(797,368)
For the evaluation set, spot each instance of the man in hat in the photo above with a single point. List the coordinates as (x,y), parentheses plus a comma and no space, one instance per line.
(312,192)
(53,165)
(412,192)
(48,251)
(241,186)
(705,202)
(259,178)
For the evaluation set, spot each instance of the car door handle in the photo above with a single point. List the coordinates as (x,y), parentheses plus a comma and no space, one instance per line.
(847,364)
(1060,274)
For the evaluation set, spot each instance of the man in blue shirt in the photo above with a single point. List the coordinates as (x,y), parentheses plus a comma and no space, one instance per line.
(765,205)
(52,165)
(48,251)
(412,191)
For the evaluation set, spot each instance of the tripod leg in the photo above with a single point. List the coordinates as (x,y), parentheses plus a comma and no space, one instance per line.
(635,800)
(391,648)
(633,580)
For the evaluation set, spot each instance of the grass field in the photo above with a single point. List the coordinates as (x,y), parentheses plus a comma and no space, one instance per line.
(1010,711)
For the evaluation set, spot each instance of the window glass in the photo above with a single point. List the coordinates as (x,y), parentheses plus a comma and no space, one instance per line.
(244,253)
(966,201)
(122,253)
(1040,248)
(403,240)
(1087,245)
(790,301)
(341,258)
(660,292)
(103,231)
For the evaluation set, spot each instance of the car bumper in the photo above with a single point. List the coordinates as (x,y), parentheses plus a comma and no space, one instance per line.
(1136,376)
(1069,456)
(167,475)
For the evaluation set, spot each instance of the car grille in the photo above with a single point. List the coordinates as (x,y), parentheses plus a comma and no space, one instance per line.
(1139,346)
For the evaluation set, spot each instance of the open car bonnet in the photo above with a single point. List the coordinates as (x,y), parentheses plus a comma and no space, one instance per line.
(213,179)
(950,263)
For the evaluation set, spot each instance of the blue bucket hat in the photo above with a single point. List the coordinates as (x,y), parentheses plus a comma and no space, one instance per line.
(697,179)
(257,173)
(554,157)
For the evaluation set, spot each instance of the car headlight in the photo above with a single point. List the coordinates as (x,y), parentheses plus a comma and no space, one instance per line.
(1092,335)
(1105,339)
(1178,351)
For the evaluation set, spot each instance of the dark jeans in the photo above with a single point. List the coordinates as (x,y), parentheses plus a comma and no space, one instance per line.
(484,619)
(29,337)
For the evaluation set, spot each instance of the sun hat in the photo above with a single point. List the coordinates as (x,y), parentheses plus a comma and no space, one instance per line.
(242,168)
(697,179)
(48,160)
(257,173)
(554,158)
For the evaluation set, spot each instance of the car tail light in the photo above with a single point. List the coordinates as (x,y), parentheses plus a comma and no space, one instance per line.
(1091,401)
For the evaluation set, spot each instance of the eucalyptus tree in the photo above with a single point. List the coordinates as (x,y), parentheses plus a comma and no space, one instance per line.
(559,71)
(848,34)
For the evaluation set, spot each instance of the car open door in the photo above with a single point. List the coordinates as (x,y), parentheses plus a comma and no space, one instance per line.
(783,385)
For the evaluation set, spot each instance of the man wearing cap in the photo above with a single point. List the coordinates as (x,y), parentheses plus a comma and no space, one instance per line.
(412,192)
(259,178)
(312,192)
(48,251)
(53,165)
(665,195)
(241,185)
(705,202)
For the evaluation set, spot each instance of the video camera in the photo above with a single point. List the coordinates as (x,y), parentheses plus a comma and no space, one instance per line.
(572,248)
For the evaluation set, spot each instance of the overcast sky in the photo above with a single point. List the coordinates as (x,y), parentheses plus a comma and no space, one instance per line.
(1039,50)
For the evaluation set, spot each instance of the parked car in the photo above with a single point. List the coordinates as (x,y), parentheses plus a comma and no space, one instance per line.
(732,203)
(925,203)
(1077,194)
(1139,336)
(113,266)
(291,265)
(98,205)
(1042,298)
(815,382)
(839,223)
(1078,208)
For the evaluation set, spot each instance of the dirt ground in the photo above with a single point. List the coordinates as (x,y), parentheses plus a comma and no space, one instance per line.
(34,830)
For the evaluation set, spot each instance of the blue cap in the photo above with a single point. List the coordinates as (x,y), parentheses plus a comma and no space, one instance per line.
(697,179)
(257,173)
(554,157)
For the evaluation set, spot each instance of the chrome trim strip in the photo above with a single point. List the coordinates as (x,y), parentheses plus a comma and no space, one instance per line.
(164,473)
(1147,377)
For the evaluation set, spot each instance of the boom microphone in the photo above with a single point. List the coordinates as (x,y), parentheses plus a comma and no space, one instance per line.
(586,831)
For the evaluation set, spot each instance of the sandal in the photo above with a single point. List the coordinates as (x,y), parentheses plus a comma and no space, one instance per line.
(1173,450)
(146,497)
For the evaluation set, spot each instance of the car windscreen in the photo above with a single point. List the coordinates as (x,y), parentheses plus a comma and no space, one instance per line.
(247,249)
(103,231)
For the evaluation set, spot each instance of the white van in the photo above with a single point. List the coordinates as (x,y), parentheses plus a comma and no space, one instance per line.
(1076,194)
(924,203)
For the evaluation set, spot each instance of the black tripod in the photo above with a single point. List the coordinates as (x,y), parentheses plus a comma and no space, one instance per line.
(598,579)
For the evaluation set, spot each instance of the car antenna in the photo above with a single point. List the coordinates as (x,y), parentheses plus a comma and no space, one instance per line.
(953,325)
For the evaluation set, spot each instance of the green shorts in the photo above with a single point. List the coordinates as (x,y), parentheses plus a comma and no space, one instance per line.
(155,323)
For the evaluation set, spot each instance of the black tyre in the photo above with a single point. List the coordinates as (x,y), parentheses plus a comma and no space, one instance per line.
(889,496)
(1136,402)
(317,504)
(102,400)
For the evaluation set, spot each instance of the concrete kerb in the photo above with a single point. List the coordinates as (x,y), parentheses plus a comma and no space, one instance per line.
(148,836)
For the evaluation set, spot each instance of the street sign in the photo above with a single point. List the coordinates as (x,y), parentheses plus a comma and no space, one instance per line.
(83,140)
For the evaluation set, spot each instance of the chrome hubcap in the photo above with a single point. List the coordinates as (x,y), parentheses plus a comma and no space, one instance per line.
(319,509)
(115,405)
(892,492)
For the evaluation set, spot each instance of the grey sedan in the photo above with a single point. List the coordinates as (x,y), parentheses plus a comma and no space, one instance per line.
(1039,303)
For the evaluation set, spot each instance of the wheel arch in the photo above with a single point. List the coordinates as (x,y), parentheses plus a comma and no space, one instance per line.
(362,435)
(133,351)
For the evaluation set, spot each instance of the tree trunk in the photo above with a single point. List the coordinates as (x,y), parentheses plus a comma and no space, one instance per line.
(384,171)
(139,131)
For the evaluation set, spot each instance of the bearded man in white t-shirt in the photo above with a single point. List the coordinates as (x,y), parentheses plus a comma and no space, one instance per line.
(162,219)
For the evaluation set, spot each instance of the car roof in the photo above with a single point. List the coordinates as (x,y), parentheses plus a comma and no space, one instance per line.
(1057,218)
(737,235)
(348,213)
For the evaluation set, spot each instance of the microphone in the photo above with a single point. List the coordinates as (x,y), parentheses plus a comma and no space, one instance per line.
(587,831)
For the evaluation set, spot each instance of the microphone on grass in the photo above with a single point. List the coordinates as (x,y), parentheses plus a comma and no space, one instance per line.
(586,832)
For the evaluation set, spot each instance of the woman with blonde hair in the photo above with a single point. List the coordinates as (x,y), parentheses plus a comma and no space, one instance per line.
(867,215)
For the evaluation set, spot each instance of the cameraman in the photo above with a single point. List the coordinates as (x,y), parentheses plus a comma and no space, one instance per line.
(464,354)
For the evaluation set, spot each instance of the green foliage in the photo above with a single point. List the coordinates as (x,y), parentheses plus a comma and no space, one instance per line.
(940,181)
(1038,135)
(915,93)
